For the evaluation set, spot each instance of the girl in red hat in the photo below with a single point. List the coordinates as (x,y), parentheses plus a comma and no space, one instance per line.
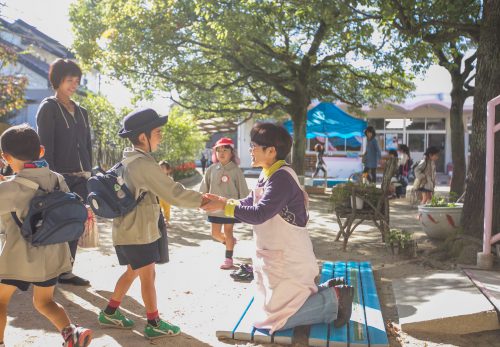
(224,178)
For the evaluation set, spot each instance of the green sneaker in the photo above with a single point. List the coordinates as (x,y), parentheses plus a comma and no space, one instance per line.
(116,320)
(163,329)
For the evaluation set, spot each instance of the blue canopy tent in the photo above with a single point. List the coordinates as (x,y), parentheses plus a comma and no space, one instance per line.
(328,120)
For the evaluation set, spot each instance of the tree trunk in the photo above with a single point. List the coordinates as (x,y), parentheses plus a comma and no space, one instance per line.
(487,87)
(457,139)
(299,117)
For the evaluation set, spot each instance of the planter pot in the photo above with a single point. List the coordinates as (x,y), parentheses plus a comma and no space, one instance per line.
(409,250)
(439,222)
(359,203)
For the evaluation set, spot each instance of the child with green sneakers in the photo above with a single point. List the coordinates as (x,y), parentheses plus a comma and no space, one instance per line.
(136,235)
(21,264)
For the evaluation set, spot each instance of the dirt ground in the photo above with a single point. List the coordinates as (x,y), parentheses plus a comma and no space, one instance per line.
(195,294)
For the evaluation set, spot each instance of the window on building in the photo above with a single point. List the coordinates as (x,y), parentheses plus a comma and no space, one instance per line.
(415,124)
(435,124)
(377,123)
(394,124)
(392,140)
(416,142)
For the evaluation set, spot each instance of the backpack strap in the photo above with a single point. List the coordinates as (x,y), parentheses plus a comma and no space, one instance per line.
(127,161)
(26,182)
(296,179)
(33,185)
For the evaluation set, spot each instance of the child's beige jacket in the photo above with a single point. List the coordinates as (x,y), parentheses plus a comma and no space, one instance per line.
(224,180)
(18,259)
(143,174)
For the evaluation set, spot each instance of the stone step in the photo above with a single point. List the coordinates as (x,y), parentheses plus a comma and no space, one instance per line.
(443,302)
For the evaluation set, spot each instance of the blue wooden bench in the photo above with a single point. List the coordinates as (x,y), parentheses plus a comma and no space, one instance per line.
(366,327)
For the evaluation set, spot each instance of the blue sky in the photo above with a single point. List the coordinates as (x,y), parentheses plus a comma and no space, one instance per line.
(51,17)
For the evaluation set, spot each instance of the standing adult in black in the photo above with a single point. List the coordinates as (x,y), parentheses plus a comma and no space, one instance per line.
(203,161)
(64,130)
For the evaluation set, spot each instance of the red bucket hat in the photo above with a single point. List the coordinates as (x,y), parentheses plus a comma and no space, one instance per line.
(225,141)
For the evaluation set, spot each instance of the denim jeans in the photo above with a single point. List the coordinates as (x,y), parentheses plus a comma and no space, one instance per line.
(321,307)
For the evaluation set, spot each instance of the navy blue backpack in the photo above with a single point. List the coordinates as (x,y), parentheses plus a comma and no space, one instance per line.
(109,197)
(53,216)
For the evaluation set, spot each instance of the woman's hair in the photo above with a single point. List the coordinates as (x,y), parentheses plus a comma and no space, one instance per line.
(318,147)
(165,164)
(62,68)
(21,142)
(405,149)
(431,151)
(370,129)
(272,135)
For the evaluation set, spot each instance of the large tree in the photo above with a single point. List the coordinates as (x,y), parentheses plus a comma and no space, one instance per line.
(480,22)
(425,27)
(235,57)
(11,87)
(487,87)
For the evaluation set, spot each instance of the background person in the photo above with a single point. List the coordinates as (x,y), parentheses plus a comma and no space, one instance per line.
(203,161)
(372,155)
(64,130)
(224,178)
(320,163)
(425,174)
(404,169)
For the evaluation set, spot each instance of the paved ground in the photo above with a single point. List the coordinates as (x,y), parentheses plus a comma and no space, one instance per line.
(197,295)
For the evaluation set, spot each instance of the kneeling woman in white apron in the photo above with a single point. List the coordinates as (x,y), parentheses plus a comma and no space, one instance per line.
(284,262)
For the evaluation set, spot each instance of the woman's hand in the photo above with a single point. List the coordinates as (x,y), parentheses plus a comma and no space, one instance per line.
(213,202)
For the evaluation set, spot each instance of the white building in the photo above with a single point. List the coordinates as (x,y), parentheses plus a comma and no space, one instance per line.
(417,124)
(37,52)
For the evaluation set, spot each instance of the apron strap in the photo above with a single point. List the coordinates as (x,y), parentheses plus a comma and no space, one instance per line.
(296,178)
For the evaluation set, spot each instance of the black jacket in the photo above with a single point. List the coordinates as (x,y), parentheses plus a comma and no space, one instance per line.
(66,138)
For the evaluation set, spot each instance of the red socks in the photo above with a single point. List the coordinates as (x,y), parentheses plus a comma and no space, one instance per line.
(112,306)
(153,318)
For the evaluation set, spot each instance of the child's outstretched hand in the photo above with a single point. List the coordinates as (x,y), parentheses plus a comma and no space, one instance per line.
(214,202)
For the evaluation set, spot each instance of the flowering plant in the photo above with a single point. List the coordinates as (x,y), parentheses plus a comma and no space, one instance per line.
(184,170)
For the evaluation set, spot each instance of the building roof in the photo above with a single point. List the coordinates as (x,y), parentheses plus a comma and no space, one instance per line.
(31,35)
(30,61)
(217,125)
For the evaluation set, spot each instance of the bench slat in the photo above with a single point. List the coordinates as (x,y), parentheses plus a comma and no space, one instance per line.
(318,334)
(358,335)
(338,336)
(244,330)
(229,334)
(283,337)
(375,322)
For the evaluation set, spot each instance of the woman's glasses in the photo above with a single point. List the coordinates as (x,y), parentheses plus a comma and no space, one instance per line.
(254,145)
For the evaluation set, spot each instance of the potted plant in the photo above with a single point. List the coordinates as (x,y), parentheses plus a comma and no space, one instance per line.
(401,242)
(342,194)
(440,218)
